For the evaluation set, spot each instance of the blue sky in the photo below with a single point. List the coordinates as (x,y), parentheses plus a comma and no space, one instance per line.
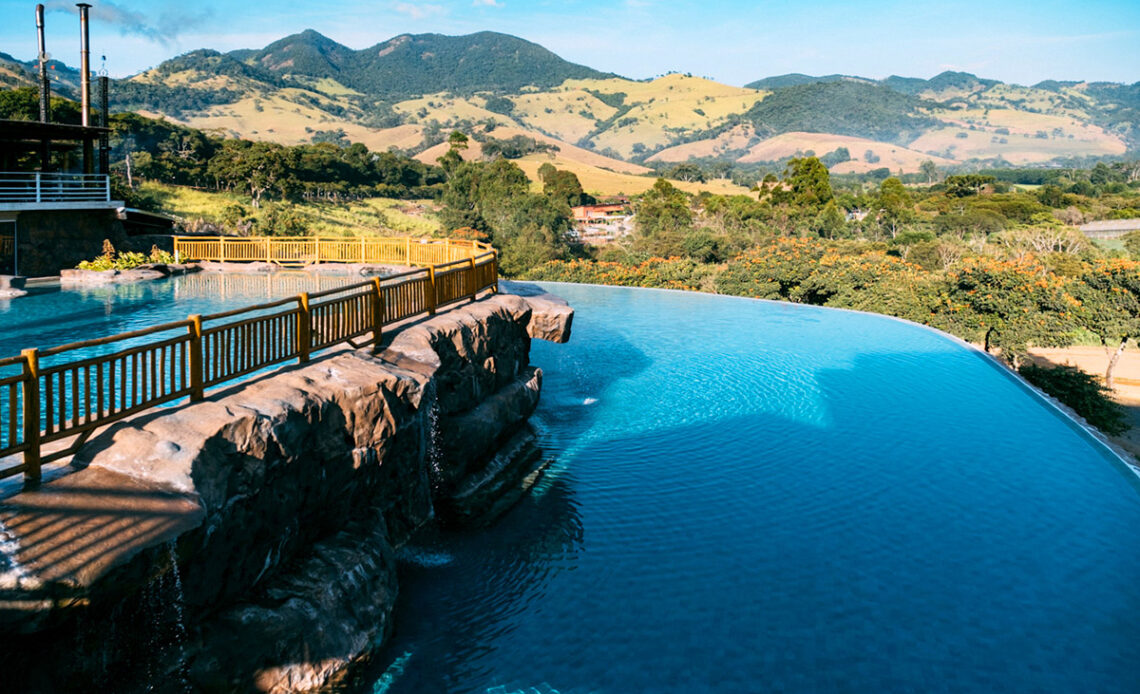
(1021,41)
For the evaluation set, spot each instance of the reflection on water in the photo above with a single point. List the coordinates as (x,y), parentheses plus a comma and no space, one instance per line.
(255,288)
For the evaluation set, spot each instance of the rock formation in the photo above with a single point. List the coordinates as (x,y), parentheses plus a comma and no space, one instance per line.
(276,504)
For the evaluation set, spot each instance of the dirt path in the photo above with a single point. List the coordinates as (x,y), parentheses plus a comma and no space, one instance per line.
(1093,360)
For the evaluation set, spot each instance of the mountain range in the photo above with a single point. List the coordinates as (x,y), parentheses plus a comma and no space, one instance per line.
(408,92)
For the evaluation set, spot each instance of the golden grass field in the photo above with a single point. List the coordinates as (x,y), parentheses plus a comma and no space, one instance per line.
(895,157)
(380,216)
(1024,122)
(445,108)
(1020,148)
(287,122)
(569,115)
(737,139)
(672,101)
(601,182)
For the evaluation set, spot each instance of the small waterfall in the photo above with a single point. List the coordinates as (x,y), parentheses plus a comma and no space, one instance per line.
(435,450)
(179,616)
(164,602)
(9,547)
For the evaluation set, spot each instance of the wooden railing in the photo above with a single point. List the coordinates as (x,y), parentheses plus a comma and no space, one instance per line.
(307,250)
(65,400)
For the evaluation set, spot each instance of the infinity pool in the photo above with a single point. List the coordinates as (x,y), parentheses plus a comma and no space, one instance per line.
(760,497)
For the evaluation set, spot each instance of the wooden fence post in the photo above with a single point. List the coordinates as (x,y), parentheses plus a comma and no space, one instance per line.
(472,279)
(31,414)
(304,328)
(377,312)
(432,297)
(197,365)
(407,250)
(363,258)
(222,248)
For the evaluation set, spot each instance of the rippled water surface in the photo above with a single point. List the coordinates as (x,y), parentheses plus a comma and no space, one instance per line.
(749,496)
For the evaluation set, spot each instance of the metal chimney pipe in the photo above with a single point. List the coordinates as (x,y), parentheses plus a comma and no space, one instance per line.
(104,121)
(85,63)
(45,86)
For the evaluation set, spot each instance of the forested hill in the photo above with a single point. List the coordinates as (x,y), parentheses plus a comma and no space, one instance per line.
(842,107)
(18,73)
(421,63)
(905,85)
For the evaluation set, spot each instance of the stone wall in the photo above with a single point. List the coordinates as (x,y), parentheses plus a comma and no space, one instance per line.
(273,509)
(52,240)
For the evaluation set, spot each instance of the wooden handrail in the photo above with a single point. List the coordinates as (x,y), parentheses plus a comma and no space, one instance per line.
(40,403)
(306,250)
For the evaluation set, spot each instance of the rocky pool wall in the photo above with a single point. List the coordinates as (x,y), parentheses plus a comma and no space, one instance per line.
(246,542)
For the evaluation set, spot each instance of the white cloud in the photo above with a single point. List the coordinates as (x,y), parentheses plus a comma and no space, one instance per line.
(487,3)
(419,10)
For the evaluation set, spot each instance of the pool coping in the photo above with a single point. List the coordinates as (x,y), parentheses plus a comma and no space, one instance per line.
(1115,454)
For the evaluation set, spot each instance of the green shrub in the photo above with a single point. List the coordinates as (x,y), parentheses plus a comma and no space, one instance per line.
(127,260)
(1082,392)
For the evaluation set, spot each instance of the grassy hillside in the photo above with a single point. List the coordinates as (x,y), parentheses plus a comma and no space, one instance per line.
(730,144)
(895,157)
(599,175)
(408,92)
(379,216)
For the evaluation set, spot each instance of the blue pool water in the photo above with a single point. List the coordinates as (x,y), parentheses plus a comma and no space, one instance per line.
(760,497)
(52,317)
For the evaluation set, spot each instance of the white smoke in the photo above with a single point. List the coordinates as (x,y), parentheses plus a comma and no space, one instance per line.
(169,20)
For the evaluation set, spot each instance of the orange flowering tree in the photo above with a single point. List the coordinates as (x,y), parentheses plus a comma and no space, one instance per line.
(1109,296)
(773,270)
(874,282)
(1008,304)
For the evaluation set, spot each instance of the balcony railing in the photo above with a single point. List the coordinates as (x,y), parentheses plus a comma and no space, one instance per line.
(21,187)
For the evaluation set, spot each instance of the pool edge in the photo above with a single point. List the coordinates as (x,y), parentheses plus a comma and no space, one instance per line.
(1113,453)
